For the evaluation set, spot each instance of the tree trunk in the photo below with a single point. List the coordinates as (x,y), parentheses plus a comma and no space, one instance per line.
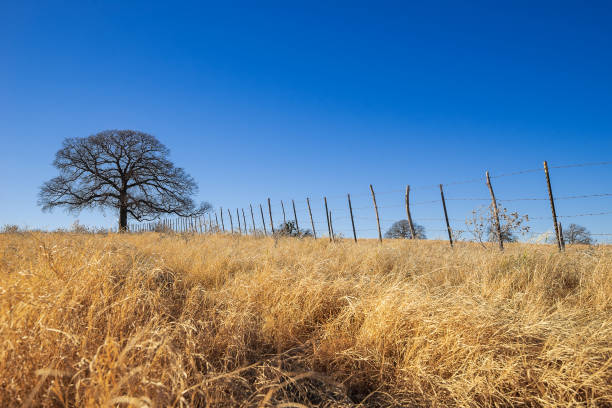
(122,219)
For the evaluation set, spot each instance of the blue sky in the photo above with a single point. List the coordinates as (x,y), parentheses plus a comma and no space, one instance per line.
(318,99)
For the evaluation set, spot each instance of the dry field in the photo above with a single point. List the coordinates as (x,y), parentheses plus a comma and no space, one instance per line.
(169,320)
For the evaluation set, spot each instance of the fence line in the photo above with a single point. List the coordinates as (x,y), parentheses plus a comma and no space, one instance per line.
(350,213)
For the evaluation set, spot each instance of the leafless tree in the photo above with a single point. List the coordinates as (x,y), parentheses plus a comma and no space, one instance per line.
(124,170)
(401,229)
(577,234)
(481,224)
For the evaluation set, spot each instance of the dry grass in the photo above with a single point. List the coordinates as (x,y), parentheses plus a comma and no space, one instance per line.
(161,320)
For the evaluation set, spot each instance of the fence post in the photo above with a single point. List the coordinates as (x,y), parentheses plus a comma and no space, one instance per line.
(352,219)
(239,226)
(297,227)
(246,230)
(263,220)
(314,232)
(377,218)
(327,217)
(252,218)
(448,228)
(270,211)
(222,222)
(496,213)
(561,239)
(331,225)
(229,213)
(284,217)
(552,205)
(412,233)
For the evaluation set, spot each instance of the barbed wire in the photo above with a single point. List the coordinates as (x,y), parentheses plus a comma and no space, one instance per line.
(567,166)
(276,208)
(573,215)
(467,181)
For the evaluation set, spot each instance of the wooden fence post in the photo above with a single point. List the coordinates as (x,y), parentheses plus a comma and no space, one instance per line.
(284,217)
(231,221)
(239,225)
(327,217)
(496,213)
(263,220)
(217,223)
(252,218)
(561,239)
(331,225)
(552,205)
(270,211)
(297,227)
(377,218)
(222,223)
(352,219)
(246,230)
(412,233)
(314,232)
(448,228)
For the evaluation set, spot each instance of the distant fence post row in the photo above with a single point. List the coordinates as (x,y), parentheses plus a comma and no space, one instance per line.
(199,224)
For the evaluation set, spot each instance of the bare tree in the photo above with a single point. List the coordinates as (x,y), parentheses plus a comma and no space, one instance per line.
(481,224)
(577,234)
(401,229)
(289,229)
(125,170)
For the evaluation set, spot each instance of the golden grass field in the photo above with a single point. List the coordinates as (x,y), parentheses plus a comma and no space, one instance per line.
(179,320)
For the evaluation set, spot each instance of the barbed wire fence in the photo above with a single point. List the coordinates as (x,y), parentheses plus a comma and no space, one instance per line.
(369,214)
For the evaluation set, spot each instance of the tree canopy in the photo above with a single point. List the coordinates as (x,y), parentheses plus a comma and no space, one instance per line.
(577,234)
(401,229)
(125,170)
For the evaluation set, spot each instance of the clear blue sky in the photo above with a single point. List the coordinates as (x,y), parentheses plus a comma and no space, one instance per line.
(313,100)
